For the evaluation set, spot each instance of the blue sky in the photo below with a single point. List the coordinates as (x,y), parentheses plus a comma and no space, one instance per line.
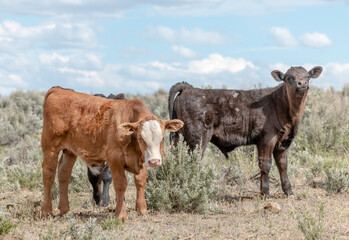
(129,46)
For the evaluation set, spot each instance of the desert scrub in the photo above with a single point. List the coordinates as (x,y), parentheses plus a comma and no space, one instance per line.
(156,102)
(182,183)
(24,176)
(79,179)
(112,223)
(50,234)
(83,231)
(337,180)
(312,226)
(20,115)
(5,223)
(325,125)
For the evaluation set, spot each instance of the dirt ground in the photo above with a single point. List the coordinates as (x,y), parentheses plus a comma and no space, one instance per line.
(242,215)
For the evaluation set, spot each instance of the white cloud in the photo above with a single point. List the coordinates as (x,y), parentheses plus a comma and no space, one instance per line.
(183,35)
(216,63)
(86,78)
(116,9)
(279,66)
(283,37)
(17,80)
(163,32)
(315,39)
(219,7)
(15,37)
(80,61)
(4,91)
(338,68)
(184,52)
(50,58)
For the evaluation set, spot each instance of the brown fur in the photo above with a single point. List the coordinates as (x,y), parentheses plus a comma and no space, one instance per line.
(268,118)
(97,130)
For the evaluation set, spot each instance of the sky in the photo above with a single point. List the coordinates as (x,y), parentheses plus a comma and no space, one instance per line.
(137,46)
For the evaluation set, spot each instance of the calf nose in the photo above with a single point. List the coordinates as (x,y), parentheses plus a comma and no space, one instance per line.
(154,162)
(302,85)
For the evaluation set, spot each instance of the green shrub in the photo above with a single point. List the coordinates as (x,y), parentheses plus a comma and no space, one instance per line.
(26,176)
(50,234)
(112,223)
(235,175)
(156,102)
(312,226)
(87,231)
(20,115)
(5,223)
(325,125)
(182,183)
(25,151)
(79,179)
(337,180)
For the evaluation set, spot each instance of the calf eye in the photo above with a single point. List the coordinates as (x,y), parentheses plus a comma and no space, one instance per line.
(140,140)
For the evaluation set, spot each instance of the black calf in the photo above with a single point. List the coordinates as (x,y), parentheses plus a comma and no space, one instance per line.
(102,197)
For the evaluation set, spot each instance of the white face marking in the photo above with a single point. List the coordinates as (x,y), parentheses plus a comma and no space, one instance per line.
(152,135)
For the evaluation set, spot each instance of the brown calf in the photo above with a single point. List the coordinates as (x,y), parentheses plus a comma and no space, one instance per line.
(124,133)
(268,118)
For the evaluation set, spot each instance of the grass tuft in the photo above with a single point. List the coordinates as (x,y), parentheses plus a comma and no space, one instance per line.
(112,223)
(312,226)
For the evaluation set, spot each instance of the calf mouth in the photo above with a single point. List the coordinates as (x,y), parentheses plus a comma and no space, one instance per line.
(302,89)
(154,163)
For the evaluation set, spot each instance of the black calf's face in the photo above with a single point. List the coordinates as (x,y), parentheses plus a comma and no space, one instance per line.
(297,78)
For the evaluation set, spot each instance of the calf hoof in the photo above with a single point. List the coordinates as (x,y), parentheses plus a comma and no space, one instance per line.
(63,211)
(142,212)
(103,204)
(288,192)
(46,211)
(265,196)
(122,217)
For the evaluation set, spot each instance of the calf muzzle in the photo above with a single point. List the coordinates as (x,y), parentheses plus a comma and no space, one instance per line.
(154,162)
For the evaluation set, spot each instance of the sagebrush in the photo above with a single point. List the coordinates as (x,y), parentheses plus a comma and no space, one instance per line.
(181,183)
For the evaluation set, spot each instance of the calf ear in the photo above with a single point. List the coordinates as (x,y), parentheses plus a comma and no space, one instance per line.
(315,72)
(173,125)
(127,128)
(278,75)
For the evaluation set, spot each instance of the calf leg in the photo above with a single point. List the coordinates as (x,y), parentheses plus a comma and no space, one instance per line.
(107,179)
(264,162)
(281,163)
(197,135)
(96,183)
(264,166)
(49,166)
(65,168)
(140,181)
(120,185)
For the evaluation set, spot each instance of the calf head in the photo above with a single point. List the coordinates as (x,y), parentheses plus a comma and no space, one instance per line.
(297,78)
(149,134)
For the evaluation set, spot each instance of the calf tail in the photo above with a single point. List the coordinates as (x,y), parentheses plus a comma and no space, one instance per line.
(175,91)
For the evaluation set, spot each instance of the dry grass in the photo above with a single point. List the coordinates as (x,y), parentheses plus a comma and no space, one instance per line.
(240,215)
